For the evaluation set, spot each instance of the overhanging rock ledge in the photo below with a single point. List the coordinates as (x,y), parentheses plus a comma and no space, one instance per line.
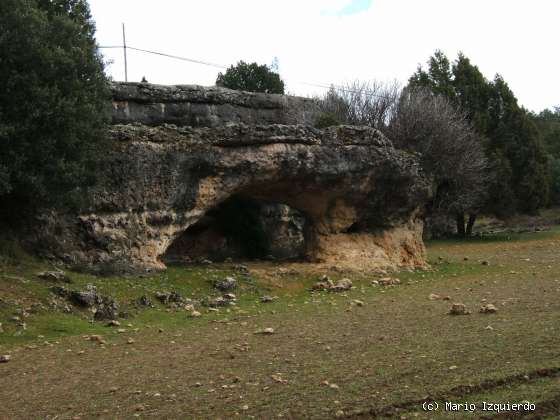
(177,152)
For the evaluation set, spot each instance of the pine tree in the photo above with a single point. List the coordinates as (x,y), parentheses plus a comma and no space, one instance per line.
(519,168)
(52,103)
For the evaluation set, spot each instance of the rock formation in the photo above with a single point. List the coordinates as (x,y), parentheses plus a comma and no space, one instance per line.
(176,153)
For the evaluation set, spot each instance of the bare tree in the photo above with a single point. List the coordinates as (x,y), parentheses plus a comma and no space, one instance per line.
(416,119)
(362,103)
(451,152)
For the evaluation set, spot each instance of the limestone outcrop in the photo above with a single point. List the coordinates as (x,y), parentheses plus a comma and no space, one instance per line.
(169,166)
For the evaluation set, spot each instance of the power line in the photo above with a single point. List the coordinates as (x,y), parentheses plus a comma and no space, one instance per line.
(191,60)
(221,66)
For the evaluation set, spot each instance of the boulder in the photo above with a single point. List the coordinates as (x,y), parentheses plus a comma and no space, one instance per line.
(458,309)
(488,308)
(226,284)
(175,153)
(54,276)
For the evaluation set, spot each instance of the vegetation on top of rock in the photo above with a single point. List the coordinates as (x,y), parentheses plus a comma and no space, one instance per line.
(251,78)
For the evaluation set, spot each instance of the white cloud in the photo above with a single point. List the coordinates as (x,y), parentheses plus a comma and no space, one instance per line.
(513,37)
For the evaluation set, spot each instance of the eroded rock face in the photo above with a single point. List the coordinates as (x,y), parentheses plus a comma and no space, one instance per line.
(361,197)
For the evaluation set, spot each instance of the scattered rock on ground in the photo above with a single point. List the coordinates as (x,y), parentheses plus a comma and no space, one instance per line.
(388,281)
(433,296)
(219,301)
(144,301)
(322,285)
(85,298)
(169,297)
(114,323)
(56,276)
(225,285)
(267,299)
(458,309)
(195,314)
(265,331)
(327,284)
(5,358)
(342,285)
(488,309)
(97,338)
(107,309)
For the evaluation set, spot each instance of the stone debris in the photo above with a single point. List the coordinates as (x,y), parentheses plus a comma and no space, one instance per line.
(225,285)
(342,285)
(5,358)
(433,296)
(388,281)
(458,309)
(358,302)
(267,299)
(488,308)
(144,301)
(97,338)
(327,284)
(195,314)
(170,298)
(265,331)
(55,276)
(104,307)
(130,341)
(1,329)
(114,323)
(277,377)
(225,300)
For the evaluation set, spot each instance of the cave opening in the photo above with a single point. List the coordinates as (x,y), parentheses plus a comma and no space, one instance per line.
(243,228)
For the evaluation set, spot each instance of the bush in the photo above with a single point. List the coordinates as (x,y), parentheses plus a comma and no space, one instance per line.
(251,78)
(327,119)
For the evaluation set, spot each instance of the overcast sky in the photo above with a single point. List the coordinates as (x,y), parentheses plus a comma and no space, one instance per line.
(336,41)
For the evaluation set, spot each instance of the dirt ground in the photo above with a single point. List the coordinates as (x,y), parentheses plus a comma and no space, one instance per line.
(372,352)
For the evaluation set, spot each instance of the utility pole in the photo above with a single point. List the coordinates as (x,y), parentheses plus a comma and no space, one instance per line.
(124,48)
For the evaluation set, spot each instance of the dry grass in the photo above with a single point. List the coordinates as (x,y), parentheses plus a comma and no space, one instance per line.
(386,357)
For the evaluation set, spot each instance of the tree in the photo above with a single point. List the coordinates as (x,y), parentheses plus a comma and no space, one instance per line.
(518,178)
(52,103)
(415,119)
(360,103)
(512,132)
(450,150)
(548,124)
(251,78)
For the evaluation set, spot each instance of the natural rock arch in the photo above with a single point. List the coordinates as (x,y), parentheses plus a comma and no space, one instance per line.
(362,196)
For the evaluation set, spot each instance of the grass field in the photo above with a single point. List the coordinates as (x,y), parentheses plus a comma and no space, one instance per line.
(328,357)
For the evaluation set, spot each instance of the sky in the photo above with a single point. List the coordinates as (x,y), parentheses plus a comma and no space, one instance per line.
(327,42)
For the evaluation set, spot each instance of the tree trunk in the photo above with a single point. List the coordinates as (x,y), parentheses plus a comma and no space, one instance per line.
(470,224)
(461,225)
